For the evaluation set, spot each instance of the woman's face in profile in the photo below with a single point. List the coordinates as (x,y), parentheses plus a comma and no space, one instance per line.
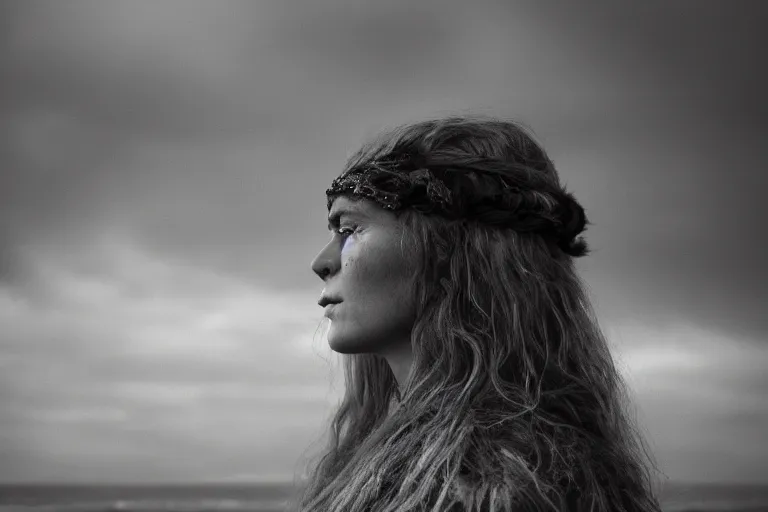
(363,268)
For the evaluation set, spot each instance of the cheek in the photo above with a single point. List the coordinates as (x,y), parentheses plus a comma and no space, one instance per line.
(375,273)
(389,289)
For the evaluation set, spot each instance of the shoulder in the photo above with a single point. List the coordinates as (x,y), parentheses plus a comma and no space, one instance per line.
(495,475)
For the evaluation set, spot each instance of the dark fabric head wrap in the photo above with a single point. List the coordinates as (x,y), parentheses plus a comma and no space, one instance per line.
(497,193)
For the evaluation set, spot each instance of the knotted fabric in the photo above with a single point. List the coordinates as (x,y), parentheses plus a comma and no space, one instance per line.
(493,192)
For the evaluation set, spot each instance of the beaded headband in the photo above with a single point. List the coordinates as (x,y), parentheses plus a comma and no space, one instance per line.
(493,192)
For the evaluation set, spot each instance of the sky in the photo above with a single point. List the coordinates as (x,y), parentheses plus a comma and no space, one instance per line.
(162,175)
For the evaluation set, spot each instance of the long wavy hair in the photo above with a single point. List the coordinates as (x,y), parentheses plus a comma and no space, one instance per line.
(513,402)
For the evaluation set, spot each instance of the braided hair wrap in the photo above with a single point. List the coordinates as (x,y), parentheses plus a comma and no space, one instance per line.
(506,195)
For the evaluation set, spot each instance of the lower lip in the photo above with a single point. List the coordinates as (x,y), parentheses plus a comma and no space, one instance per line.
(330,308)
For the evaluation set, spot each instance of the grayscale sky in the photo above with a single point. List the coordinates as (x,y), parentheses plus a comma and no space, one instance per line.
(162,175)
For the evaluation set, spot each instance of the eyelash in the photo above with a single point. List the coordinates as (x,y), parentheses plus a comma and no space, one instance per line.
(341,231)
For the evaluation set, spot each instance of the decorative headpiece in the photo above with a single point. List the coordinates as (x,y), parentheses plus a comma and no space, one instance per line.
(498,193)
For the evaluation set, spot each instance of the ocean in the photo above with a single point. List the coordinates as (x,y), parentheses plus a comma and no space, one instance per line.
(273,497)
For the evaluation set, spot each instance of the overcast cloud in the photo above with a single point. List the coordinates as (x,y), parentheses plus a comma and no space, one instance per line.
(162,176)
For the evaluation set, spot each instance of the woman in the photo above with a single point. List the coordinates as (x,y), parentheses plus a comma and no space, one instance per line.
(477,377)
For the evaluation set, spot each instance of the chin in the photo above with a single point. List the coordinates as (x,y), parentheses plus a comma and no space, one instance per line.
(344,342)
(340,343)
(343,346)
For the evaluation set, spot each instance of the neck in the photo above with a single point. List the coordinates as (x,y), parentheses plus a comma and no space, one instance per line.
(400,360)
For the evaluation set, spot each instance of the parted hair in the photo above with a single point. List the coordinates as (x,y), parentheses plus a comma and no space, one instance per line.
(513,401)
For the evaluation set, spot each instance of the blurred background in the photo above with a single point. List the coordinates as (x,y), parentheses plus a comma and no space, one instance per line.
(162,175)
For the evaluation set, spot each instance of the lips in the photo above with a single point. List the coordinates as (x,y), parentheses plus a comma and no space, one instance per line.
(324,301)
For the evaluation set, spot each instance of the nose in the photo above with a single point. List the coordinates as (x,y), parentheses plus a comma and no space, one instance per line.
(325,263)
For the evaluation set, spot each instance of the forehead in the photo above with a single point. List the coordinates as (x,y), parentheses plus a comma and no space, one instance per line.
(363,209)
(345,205)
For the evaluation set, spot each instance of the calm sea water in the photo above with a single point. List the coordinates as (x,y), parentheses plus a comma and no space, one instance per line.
(144,498)
(273,497)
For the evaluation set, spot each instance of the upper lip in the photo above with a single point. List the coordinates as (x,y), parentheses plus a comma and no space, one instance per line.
(325,300)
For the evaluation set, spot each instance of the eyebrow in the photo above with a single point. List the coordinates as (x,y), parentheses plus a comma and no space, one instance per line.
(335,217)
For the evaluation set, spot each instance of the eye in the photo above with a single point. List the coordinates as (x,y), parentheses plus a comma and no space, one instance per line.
(345,232)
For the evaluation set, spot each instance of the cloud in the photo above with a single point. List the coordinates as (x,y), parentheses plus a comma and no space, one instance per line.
(627,133)
(674,227)
(99,373)
(700,398)
(141,69)
(162,197)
